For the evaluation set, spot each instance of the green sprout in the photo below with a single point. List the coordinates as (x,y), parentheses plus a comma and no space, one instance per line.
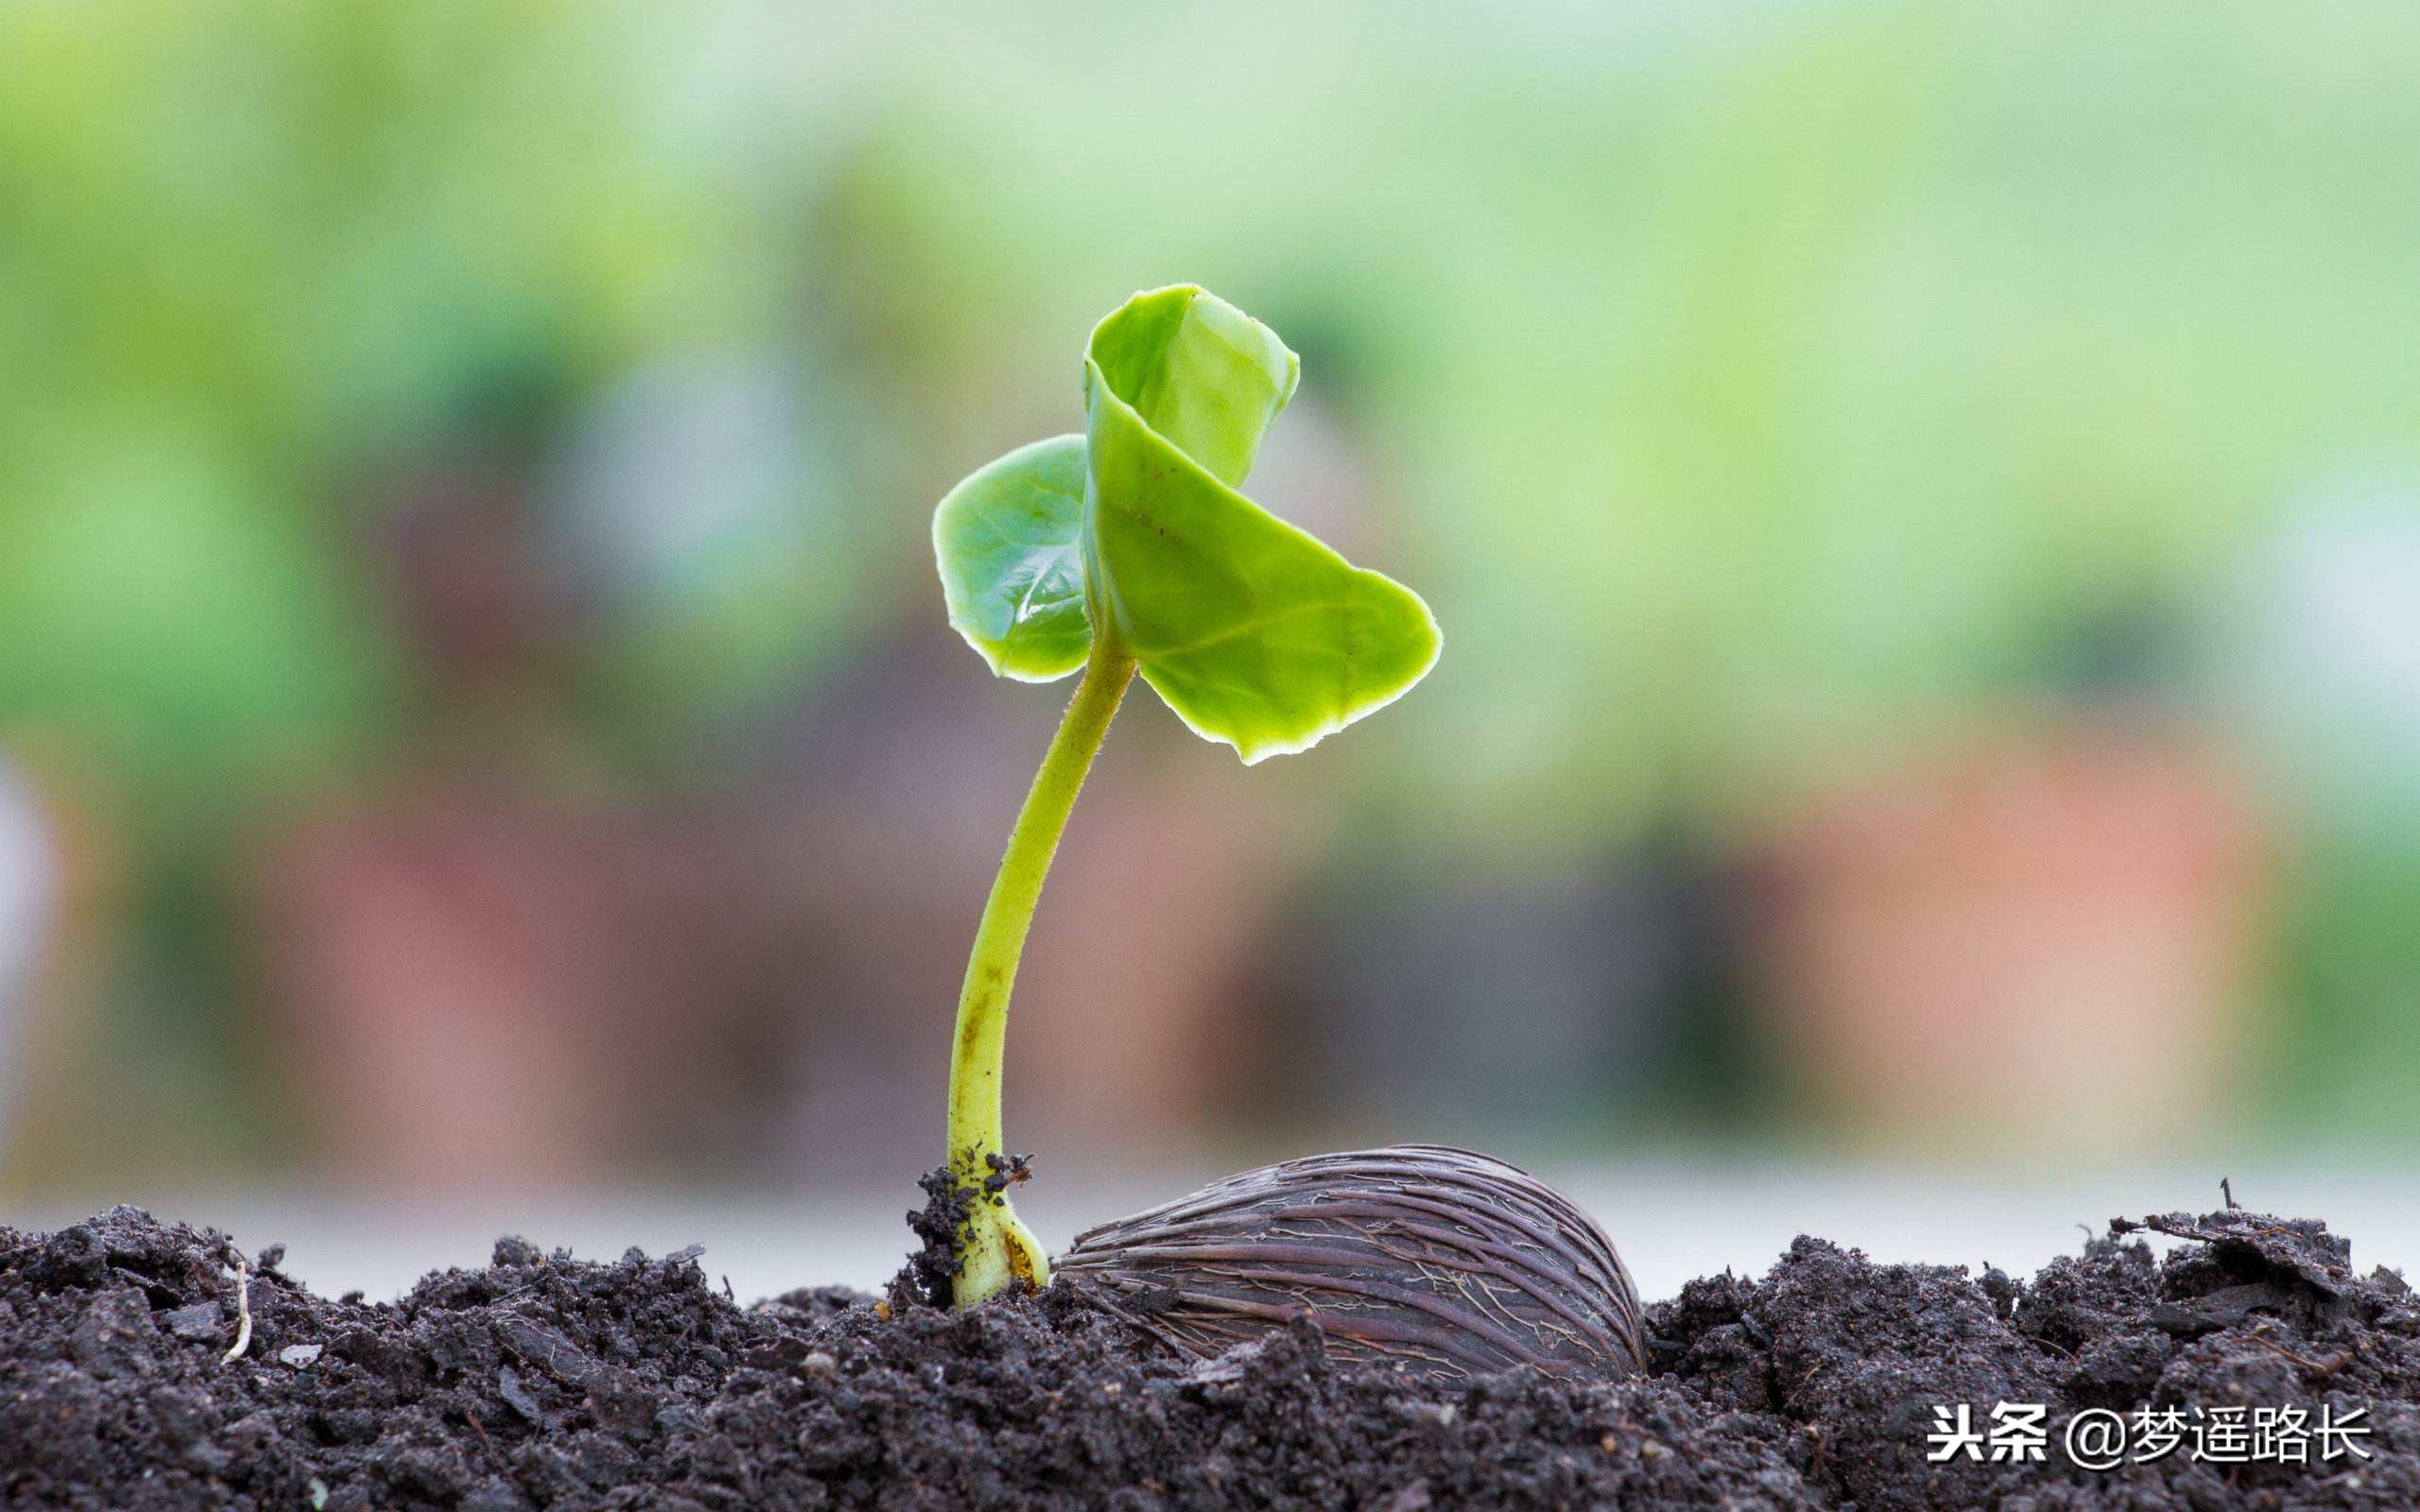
(1128,549)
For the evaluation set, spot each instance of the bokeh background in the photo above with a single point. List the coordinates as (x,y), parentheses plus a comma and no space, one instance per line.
(1923,504)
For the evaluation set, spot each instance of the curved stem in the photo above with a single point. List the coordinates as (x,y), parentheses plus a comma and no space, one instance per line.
(998,1250)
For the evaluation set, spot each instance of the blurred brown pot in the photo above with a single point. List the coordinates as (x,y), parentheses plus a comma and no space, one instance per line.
(2041,938)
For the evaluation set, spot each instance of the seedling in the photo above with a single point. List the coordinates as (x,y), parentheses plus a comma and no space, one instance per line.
(1129,550)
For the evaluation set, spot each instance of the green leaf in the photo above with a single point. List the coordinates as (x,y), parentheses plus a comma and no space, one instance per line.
(1207,376)
(1255,633)
(1009,543)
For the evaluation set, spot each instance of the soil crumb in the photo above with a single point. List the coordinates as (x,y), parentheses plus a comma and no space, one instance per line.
(544,1381)
(938,1226)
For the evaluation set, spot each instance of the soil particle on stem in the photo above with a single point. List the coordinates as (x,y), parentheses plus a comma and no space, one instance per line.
(940,1226)
(542,1382)
(949,1204)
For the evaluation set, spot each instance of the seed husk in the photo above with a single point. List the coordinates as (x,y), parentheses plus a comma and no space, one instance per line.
(1442,1262)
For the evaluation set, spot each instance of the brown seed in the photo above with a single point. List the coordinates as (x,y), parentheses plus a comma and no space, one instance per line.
(1438,1261)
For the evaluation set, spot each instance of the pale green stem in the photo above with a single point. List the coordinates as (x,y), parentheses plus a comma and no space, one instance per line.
(998,1250)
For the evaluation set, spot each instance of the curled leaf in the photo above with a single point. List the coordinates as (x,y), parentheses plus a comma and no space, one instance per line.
(1205,375)
(1254,632)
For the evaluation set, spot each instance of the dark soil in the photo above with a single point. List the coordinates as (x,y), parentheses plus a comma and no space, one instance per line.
(544,1382)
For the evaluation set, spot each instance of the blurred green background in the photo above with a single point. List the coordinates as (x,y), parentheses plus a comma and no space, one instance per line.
(1924,505)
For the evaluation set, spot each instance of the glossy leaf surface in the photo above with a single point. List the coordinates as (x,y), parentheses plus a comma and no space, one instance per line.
(1009,543)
